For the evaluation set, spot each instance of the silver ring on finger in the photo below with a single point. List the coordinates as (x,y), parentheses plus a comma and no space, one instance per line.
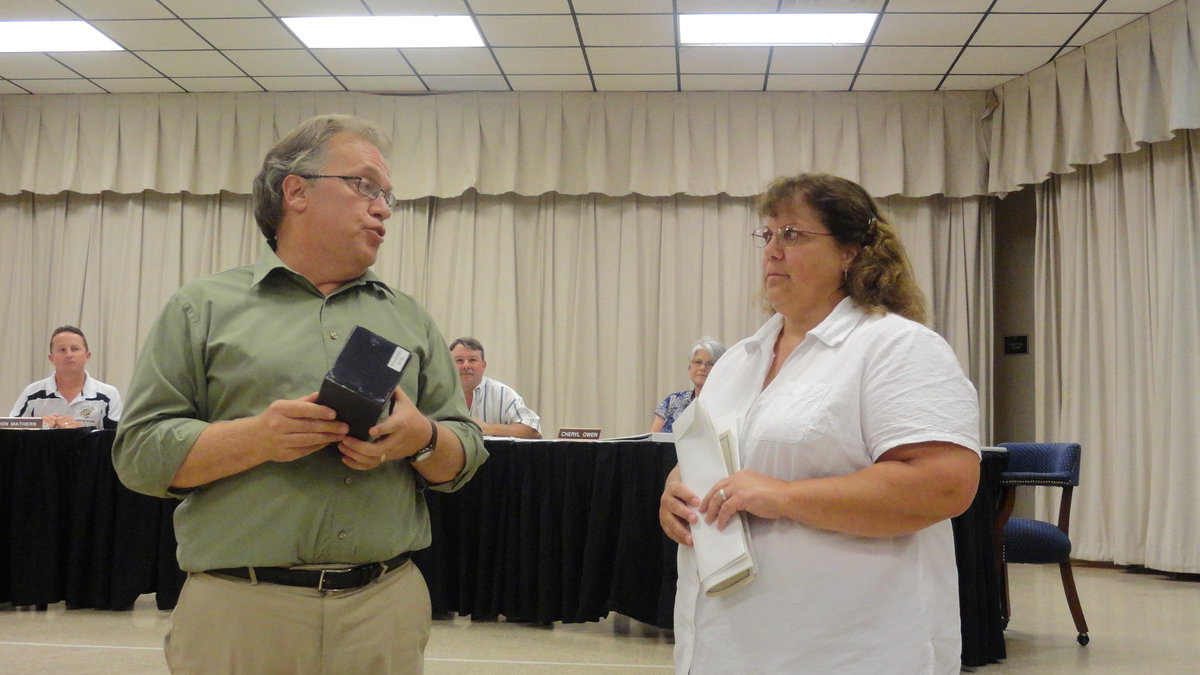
(724,497)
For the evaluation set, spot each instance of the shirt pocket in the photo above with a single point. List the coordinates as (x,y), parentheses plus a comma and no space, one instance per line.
(793,414)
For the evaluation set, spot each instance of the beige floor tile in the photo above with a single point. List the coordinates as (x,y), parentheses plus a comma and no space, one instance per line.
(1139,623)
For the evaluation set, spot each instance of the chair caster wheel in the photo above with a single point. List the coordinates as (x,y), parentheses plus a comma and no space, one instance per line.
(1082,639)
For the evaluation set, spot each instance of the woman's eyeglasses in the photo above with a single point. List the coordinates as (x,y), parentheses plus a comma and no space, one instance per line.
(787,236)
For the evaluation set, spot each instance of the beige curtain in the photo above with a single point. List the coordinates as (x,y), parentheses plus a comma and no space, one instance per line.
(1136,85)
(660,144)
(587,305)
(1116,353)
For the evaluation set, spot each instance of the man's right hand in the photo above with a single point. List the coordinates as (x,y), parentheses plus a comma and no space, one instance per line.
(293,428)
(286,431)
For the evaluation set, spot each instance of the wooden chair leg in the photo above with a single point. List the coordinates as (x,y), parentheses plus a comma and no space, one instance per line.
(1068,581)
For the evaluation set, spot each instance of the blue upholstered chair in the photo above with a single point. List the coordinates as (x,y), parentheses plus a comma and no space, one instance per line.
(1034,541)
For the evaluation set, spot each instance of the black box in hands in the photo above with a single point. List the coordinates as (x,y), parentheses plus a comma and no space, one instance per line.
(359,386)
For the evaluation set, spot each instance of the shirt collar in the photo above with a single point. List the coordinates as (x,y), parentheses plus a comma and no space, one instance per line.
(833,329)
(268,262)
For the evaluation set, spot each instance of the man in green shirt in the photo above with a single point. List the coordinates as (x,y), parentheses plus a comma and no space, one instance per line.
(296,536)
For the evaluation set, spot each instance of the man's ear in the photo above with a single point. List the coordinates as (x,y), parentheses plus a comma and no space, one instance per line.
(295,193)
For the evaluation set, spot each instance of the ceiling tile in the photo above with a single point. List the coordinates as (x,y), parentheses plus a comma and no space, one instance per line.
(118,9)
(134,85)
(22,65)
(622,6)
(912,60)
(276,62)
(721,82)
(1084,6)
(896,82)
(1139,6)
(632,60)
(191,64)
(34,9)
(383,83)
(816,60)
(300,83)
(77,86)
(556,30)
(550,82)
(723,59)
(202,84)
(938,6)
(1026,29)
(416,7)
(7,87)
(452,61)
(921,29)
(245,33)
(1102,24)
(635,83)
(541,60)
(106,64)
(135,36)
(615,30)
(521,6)
(809,82)
(225,9)
(725,6)
(363,61)
(283,8)
(974,81)
(1001,60)
(466,83)
(793,6)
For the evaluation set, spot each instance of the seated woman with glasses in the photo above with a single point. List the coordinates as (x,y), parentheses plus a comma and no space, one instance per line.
(705,353)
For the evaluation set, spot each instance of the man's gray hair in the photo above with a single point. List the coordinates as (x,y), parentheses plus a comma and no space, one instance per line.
(303,152)
(709,344)
(470,343)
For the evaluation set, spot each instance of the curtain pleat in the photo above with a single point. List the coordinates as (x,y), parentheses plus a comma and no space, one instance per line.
(1116,356)
(531,143)
(1139,84)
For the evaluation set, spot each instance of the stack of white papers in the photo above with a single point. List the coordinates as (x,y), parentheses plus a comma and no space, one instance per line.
(708,451)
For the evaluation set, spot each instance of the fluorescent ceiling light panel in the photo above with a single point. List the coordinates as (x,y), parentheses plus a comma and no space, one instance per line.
(53,36)
(376,32)
(775,29)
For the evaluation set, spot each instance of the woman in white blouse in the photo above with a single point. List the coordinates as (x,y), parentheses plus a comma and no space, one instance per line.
(859,439)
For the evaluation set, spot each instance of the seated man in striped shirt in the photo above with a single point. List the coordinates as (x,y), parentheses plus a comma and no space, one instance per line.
(496,407)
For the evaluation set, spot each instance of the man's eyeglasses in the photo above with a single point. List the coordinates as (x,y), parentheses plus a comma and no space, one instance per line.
(365,186)
(697,363)
(788,236)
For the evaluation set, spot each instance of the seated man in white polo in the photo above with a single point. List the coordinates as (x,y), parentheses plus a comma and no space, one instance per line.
(70,398)
(496,407)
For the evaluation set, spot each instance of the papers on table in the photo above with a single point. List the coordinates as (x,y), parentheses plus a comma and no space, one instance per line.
(655,437)
(708,451)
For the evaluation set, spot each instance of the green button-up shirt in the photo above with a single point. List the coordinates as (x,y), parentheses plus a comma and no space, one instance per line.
(228,345)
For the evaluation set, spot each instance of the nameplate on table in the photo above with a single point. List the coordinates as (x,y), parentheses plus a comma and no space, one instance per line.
(573,434)
(20,423)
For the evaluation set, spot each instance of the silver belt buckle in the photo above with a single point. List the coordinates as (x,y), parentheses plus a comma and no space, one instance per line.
(321,582)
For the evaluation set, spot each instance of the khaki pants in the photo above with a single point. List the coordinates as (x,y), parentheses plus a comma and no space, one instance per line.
(227,625)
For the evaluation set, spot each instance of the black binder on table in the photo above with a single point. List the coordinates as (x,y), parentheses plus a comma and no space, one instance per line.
(359,386)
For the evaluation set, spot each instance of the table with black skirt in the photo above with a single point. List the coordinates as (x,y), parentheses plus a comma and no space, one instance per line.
(546,531)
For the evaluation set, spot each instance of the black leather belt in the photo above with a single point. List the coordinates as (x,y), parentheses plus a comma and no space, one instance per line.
(322,580)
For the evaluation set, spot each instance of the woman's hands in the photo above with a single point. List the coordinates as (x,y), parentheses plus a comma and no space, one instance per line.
(677,509)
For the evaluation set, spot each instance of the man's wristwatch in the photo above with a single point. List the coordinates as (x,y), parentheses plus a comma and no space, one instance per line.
(424,453)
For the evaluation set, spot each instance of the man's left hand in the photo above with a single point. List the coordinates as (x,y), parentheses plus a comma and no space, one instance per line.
(402,434)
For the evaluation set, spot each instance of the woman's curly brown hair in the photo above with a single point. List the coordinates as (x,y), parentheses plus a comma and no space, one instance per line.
(880,277)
